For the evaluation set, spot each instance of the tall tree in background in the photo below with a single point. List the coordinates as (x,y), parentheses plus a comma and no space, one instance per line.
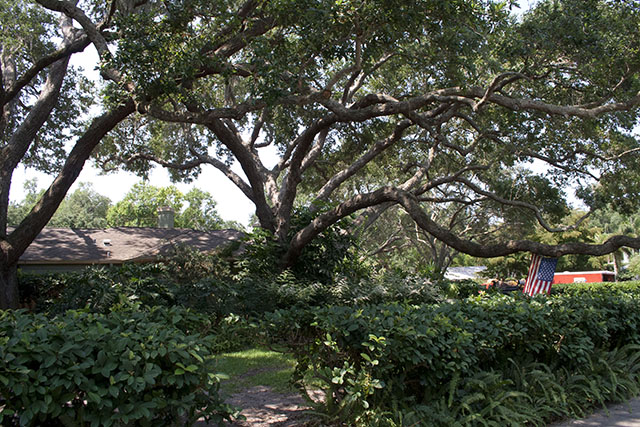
(84,208)
(139,208)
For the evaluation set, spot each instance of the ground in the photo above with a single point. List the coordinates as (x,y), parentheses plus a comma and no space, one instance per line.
(264,407)
(259,383)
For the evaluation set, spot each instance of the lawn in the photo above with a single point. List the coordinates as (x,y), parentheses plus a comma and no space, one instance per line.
(256,366)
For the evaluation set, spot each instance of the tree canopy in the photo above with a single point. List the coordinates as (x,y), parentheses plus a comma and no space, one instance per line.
(84,208)
(139,208)
(458,104)
(369,104)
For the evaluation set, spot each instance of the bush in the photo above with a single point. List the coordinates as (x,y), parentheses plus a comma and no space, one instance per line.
(384,359)
(127,367)
(605,287)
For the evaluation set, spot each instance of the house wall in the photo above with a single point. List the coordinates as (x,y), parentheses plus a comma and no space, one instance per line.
(584,277)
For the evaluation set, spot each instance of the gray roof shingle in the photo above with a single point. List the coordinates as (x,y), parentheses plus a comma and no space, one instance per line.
(119,244)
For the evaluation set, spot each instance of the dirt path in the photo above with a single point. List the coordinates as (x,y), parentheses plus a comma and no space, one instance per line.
(263,407)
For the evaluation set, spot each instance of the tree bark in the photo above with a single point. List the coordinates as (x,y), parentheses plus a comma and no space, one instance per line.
(411,204)
(9,286)
(16,242)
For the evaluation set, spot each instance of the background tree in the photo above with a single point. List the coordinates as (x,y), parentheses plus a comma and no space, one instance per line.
(610,222)
(396,241)
(139,208)
(84,208)
(634,266)
(16,212)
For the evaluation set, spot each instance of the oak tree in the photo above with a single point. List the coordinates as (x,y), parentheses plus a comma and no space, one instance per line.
(372,104)
(451,103)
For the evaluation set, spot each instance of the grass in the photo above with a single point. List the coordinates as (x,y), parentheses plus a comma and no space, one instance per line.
(252,367)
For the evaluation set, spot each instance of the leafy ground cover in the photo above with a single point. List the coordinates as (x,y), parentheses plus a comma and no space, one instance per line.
(123,368)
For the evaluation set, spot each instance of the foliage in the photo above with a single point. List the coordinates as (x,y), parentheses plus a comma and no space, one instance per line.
(127,367)
(333,254)
(100,289)
(634,266)
(460,356)
(139,208)
(84,208)
(524,393)
(605,287)
(187,265)
(246,284)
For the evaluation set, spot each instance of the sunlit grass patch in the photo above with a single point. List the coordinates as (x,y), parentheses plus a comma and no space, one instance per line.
(254,367)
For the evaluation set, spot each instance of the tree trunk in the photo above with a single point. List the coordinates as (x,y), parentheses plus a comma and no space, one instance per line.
(9,286)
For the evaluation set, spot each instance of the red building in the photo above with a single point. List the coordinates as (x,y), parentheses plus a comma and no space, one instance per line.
(584,277)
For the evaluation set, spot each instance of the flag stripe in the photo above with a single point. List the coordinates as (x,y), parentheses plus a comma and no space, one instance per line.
(535,261)
(540,277)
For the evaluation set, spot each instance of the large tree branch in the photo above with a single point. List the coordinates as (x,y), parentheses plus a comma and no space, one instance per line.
(92,30)
(412,205)
(21,139)
(358,79)
(293,177)
(198,161)
(252,167)
(589,112)
(315,152)
(521,204)
(46,206)
(377,148)
(77,46)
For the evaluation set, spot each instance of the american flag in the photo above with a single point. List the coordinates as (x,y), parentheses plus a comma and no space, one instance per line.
(540,275)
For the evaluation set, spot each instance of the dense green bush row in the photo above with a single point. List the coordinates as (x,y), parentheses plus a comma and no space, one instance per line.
(468,361)
(124,368)
(231,290)
(570,288)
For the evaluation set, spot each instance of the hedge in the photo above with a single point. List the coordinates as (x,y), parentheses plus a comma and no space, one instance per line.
(387,360)
(123,368)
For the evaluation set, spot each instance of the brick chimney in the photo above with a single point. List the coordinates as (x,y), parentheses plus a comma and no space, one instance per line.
(165,217)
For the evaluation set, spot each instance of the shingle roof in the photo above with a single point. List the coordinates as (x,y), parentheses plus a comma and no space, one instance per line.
(119,244)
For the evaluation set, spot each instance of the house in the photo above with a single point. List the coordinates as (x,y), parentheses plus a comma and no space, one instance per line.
(67,249)
(584,277)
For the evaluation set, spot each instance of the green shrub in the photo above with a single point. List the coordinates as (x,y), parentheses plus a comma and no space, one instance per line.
(378,359)
(127,367)
(573,288)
